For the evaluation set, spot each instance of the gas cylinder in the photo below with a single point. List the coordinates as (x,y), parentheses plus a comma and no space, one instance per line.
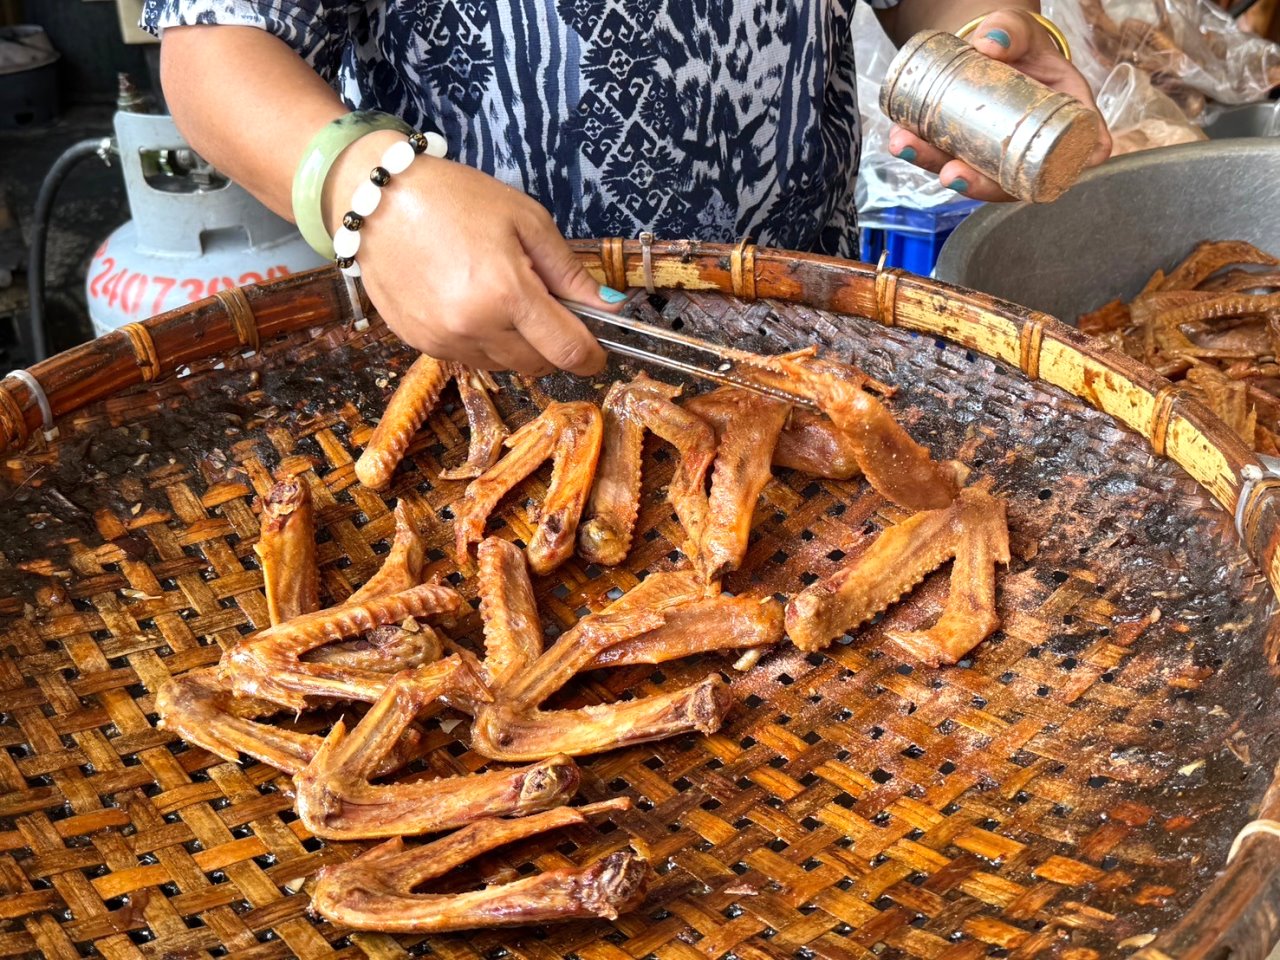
(193,231)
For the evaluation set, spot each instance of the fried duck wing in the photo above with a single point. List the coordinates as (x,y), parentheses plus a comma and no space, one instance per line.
(286,550)
(269,664)
(487,431)
(973,531)
(1211,256)
(375,891)
(404,563)
(894,464)
(570,434)
(407,410)
(512,633)
(196,707)
(709,625)
(512,728)
(336,800)
(812,444)
(747,427)
(629,410)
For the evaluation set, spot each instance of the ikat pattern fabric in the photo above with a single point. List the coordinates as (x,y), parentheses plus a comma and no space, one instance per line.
(703,119)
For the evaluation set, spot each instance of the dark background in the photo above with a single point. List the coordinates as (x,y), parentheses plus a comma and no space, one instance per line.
(91,202)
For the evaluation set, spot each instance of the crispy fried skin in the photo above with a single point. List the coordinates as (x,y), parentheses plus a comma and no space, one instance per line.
(269,664)
(513,728)
(199,710)
(973,531)
(407,410)
(336,800)
(286,550)
(812,444)
(629,410)
(487,431)
(403,565)
(570,434)
(747,427)
(374,891)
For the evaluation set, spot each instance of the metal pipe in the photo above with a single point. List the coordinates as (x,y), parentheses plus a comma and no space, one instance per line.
(100,147)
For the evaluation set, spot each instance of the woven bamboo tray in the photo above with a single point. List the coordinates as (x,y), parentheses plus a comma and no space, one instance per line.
(1070,790)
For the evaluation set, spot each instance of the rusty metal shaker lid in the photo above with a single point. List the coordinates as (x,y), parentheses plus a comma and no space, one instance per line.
(1032,140)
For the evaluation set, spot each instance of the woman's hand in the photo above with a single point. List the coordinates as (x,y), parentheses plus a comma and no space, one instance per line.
(1014,37)
(465,268)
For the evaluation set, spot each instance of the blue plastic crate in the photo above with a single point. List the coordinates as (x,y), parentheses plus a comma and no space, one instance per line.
(913,237)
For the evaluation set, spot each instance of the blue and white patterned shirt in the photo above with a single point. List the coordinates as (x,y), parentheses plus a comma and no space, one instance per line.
(691,118)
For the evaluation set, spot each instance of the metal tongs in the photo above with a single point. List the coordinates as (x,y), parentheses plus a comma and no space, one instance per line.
(724,372)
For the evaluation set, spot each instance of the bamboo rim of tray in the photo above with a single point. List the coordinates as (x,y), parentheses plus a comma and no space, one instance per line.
(1239,913)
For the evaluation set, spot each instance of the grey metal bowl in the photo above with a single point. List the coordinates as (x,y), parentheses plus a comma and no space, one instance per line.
(1249,120)
(1106,235)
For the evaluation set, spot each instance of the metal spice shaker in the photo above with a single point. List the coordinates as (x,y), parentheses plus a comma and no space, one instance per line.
(1030,139)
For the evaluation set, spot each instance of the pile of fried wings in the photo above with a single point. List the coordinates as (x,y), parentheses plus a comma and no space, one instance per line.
(1212,324)
(388,645)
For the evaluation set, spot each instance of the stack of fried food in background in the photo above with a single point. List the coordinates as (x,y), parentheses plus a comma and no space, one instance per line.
(1212,323)
(388,645)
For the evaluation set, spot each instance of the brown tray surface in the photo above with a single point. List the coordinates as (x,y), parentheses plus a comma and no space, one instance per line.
(1075,783)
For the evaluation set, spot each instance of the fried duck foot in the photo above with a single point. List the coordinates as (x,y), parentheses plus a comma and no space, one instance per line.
(406,411)
(485,426)
(570,434)
(973,531)
(286,550)
(895,465)
(629,410)
(375,891)
(747,427)
(269,664)
(194,707)
(1211,256)
(336,800)
(512,728)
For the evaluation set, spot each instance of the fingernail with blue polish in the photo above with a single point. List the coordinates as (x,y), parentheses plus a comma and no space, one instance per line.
(610,295)
(908,154)
(1000,37)
(959,185)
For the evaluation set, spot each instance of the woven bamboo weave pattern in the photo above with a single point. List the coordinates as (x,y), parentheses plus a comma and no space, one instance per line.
(1073,785)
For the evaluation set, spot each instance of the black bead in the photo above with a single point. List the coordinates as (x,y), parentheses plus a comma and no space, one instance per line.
(352,220)
(344,262)
(380,176)
(419,143)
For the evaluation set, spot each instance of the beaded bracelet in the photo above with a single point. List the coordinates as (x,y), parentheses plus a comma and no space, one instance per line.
(318,159)
(395,160)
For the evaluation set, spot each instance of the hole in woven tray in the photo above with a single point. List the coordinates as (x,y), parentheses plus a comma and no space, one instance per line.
(844,883)
(812,737)
(654,763)
(732,912)
(715,763)
(1097,781)
(882,818)
(747,742)
(778,762)
(711,803)
(742,823)
(915,752)
(780,556)
(844,800)
(810,865)
(809,779)
(1045,494)
(785,679)
(1157,724)
(752,701)
(146,936)
(807,535)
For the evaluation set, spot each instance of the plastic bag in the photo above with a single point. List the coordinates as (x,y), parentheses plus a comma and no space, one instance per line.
(1139,116)
(1191,49)
(884,181)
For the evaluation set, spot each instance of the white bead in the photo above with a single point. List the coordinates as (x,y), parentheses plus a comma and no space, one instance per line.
(352,271)
(346,243)
(398,158)
(437,146)
(365,200)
